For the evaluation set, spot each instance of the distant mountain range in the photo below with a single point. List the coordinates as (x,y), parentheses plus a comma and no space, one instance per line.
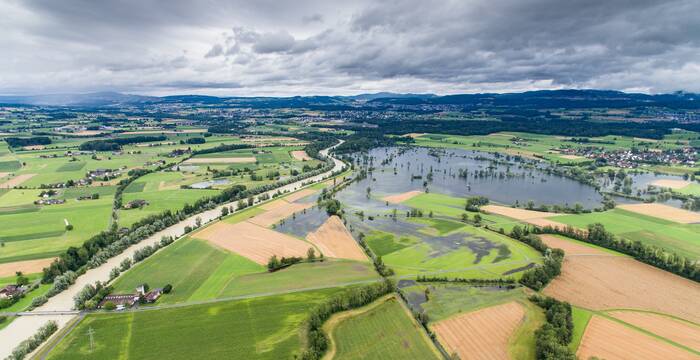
(530,99)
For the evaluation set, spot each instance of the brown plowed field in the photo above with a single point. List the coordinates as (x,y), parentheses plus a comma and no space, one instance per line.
(610,340)
(570,247)
(299,195)
(252,241)
(399,198)
(663,212)
(677,331)
(334,240)
(481,334)
(671,183)
(17,180)
(300,155)
(26,267)
(225,160)
(277,212)
(616,282)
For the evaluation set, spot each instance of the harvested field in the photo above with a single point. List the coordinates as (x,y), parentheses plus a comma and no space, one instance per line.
(610,340)
(570,247)
(299,195)
(614,282)
(545,222)
(33,147)
(156,131)
(26,267)
(277,212)
(252,241)
(226,160)
(334,240)
(664,212)
(671,183)
(273,204)
(482,334)
(300,155)
(571,157)
(675,330)
(399,198)
(17,180)
(3,174)
(515,213)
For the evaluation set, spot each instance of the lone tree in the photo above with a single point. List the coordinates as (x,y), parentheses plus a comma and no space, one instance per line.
(311,254)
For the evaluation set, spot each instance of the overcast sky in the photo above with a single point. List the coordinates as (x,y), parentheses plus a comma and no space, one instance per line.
(274,47)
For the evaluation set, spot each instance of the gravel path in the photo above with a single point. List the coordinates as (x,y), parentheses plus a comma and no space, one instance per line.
(25,326)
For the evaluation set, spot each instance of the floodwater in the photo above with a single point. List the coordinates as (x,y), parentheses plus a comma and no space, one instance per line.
(209,183)
(463,173)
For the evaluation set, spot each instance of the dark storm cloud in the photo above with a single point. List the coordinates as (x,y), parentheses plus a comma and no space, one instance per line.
(316,46)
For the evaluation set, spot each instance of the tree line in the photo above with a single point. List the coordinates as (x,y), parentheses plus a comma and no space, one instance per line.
(117,143)
(553,338)
(538,277)
(27,141)
(649,254)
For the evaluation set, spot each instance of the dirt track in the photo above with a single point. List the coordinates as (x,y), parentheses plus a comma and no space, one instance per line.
(481,334)
(664,212)
(334,240)
(255,242)
(610,340)
(675,330)
(399,198)
(615,282)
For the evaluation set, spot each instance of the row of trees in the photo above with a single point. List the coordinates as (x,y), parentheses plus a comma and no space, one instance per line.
(27,346)
(597,234)
(28,141)
(553,338)
(500,282)
(539,276)
(317,341)
(117,143)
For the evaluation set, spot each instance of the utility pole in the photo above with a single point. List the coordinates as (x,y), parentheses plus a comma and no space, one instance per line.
(91,332)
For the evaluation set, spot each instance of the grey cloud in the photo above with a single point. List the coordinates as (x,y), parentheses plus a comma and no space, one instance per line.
(216,50)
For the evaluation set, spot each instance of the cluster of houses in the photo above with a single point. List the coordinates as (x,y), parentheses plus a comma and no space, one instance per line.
(103,174)
(631,159)
(123,301)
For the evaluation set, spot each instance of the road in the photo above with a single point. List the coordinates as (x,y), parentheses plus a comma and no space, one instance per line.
(25,326)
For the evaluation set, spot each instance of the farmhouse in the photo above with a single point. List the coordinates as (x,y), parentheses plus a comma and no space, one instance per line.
(120,300)
(49,202)
(10,291)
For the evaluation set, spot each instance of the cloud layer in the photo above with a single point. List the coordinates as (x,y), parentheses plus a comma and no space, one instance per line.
(326,47)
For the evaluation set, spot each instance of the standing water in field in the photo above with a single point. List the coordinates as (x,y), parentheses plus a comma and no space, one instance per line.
(462,173)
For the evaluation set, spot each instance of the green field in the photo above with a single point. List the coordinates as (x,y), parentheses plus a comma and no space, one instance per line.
(386,331)
(679,238)
(192,267)
(581,317)
(199,271)
(33,232)
(453,256)
(260,328)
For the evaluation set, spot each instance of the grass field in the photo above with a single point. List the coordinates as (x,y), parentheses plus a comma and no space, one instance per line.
(581,317)
(260,328)
(385,331)
(31,232)
(199,271)
(679,238)
(194,268)
(522,344)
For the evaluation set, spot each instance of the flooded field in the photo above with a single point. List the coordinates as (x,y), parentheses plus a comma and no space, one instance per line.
(464,173)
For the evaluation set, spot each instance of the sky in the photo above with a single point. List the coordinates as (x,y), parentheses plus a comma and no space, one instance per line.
(328,47)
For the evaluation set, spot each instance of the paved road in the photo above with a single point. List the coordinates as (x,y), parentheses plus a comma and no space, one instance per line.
(25,326)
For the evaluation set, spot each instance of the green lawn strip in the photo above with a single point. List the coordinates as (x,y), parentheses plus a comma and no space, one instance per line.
(6,321)
(655,313)
(185,265)
(442,226)
(243,215)
(259,328)
(448,300)
(647,332)
(232,267)
(580,317)
(691,189)
(383,331)
(522,343)
(301,276)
